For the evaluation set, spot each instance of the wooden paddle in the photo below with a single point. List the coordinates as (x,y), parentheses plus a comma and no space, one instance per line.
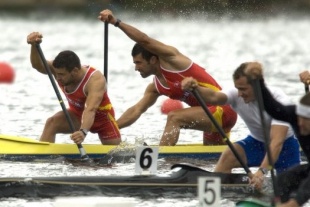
(84,156)
(259,98)
(221,131)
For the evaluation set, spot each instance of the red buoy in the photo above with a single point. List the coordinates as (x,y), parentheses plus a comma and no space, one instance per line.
(7,74)
(170,105)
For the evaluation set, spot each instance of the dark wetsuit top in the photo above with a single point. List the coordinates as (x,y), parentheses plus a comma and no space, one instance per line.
(288,114)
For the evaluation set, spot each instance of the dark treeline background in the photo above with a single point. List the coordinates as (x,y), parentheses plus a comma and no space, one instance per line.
(161,7)
(214,6)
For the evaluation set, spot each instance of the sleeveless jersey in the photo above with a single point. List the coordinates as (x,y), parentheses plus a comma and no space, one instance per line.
(77,98)
(174,79)
(224,115)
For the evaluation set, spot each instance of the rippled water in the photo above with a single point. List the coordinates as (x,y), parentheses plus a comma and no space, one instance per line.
(220,45)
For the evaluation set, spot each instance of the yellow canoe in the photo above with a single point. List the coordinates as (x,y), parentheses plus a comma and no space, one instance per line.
(16,147)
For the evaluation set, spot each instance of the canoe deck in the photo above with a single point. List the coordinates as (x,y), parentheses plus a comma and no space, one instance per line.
(182,179)
(21,148)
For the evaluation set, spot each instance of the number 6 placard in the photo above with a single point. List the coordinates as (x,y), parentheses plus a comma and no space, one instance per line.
(209,191)
(146,160)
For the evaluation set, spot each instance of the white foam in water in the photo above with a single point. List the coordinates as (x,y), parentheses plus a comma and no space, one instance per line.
(94,202)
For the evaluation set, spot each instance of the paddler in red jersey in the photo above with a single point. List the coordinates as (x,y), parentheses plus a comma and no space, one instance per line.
(86,91)
(169,68)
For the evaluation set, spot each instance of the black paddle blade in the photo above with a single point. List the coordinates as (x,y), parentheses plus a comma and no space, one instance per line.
(121,154)
(120,157)
(86,159)
(106,160)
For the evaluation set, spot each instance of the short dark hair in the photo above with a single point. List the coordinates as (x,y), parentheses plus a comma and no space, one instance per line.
(67,59)
(239,72)
(138,49)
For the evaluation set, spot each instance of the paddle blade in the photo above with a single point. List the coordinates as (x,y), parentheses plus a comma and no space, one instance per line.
(123,153)
(86,159)
(252,202)
(124,156)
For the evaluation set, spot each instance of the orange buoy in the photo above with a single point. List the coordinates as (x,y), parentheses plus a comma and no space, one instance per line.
(170,105)
(7,74)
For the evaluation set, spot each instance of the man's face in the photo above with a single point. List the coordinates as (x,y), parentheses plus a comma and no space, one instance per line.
(142,66)
(304,125)
(245,89)
(63,76)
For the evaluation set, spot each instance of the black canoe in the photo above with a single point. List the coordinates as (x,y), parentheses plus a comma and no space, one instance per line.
(182,179)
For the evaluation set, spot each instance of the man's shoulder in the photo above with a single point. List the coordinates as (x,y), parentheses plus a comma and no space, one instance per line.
(151,87)
(231,91)
(232,95)
(276,90)
(92,71)
(279,94)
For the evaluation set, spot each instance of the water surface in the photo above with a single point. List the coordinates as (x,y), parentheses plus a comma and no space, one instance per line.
(280,43)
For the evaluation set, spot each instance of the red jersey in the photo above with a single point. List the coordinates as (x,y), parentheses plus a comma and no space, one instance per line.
(174,79)
(77,98)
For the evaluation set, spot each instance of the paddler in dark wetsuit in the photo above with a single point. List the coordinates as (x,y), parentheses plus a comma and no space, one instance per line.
(293,185)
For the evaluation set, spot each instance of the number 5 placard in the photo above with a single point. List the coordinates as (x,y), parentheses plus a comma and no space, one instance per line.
(146,160)
(209,191)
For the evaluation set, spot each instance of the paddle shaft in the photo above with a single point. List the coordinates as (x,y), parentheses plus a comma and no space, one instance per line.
(105,54)
(220,130)
(50,75)
(259,99)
